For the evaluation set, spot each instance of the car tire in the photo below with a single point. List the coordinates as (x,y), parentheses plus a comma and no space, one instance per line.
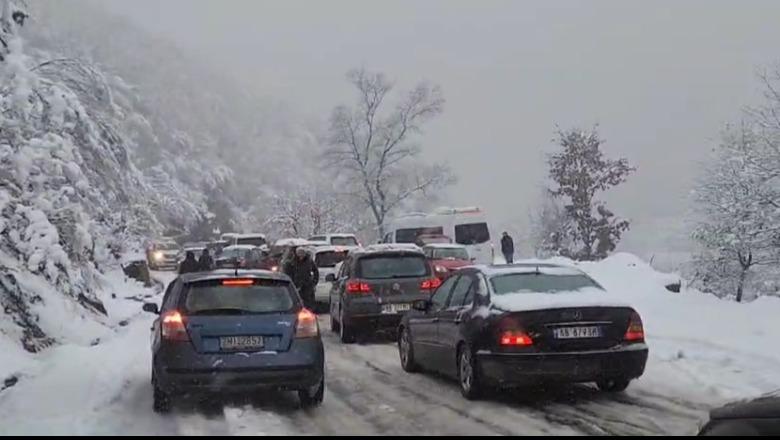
(468,376)
(162,401)
(613,385)
(346,332)
(406,352)
(312,397)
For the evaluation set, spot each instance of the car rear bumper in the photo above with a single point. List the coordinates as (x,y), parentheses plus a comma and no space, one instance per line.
(180,369)
(519,369)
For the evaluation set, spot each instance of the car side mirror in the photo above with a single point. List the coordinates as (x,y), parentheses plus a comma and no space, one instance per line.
(421,305)
(330,278)
(151,308)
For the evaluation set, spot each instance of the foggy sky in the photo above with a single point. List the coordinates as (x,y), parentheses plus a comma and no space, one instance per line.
(661,78)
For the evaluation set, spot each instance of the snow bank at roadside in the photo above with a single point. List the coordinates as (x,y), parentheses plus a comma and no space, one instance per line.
(706,348)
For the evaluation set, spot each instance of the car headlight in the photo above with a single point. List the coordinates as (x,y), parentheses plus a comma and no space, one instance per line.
(441,269)
(158,256)
(274,268)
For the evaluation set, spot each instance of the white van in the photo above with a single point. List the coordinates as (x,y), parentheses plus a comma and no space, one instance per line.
(466,226)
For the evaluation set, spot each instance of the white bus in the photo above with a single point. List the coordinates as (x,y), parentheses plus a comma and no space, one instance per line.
(466,226)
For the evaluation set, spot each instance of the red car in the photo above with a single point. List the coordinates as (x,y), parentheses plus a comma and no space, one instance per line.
(447,258)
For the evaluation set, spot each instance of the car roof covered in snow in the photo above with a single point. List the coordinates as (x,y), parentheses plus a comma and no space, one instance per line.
(389,248)
(240,246)
(249,235)
(529,267)
(332,248)
(222,274)
(444,246)
(292,242)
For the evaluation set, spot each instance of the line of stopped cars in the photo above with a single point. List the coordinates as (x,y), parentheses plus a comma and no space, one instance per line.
(486,326)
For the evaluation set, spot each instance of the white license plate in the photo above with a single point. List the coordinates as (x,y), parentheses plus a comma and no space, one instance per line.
(396,308)
(241,342)
(577,332)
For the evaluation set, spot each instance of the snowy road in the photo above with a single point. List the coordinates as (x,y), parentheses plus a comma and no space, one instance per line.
(368,393)
(81,388)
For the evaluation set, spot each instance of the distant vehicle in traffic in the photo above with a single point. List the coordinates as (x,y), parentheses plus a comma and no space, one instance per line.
(447,258)
(349,240)
(162,255)
(520,325)
(196,248)
(240,256)
(748,418)
(426,239)
(375,286)
(249,239)
(327,259)
(221,332)
(466,226)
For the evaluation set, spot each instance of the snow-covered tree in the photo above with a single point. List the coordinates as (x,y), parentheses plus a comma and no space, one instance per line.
(551,228)
(372,143)
(579,173)
(737,200)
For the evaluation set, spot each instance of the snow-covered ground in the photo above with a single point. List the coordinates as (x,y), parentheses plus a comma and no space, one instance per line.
(704,352)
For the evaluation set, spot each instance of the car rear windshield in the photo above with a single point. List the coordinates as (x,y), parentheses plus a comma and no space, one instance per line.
(329,258)
(235,253)
(450,253)
(410,235)
(474,233)
(540,283)
(261,296)
(392,266)
(251,241)
(343,241)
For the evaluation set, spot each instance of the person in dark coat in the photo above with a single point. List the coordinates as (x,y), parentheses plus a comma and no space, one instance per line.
(205,262)
(190,264)
(508,248)
(304,274)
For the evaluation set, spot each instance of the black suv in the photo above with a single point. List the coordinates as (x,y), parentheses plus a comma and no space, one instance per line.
(375,286)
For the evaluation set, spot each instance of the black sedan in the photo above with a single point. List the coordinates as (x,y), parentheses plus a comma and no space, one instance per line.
(756,417)
(521,325)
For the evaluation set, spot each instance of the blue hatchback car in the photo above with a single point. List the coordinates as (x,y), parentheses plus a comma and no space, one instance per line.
(230,331)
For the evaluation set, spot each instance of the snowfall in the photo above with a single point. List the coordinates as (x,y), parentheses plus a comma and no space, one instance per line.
(704,352)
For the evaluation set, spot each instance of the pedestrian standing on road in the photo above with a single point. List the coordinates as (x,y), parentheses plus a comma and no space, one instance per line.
(304,274)
(205,263)
(189,265)
(508,248)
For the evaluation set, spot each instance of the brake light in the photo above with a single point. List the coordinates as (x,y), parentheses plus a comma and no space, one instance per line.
(358,287)
(173,327)
(238,282)
(636,331)
(307,326)
(430,284)
(515,338)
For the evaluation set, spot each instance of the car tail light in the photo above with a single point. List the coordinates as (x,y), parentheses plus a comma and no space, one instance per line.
(430,284)
(515,338)
(173,328)
(237,282)
(358,287)
(307,326)
(636,331)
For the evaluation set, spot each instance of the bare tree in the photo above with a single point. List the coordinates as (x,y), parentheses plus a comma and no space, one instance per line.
(372,143)
(580,172)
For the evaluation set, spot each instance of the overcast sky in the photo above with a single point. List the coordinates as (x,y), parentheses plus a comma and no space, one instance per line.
(661,78)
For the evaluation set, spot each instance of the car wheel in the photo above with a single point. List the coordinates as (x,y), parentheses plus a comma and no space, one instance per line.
(406,352)
(312,397)
(346,332)
(162,401)
(614,385)
(468,378)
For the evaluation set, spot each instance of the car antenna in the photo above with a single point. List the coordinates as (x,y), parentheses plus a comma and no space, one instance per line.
(236,267)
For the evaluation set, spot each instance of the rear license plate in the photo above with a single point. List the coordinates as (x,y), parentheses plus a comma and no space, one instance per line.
(577,332)
(234,343)
(396,308)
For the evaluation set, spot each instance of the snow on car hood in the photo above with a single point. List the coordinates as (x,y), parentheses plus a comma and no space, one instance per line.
(526,301)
